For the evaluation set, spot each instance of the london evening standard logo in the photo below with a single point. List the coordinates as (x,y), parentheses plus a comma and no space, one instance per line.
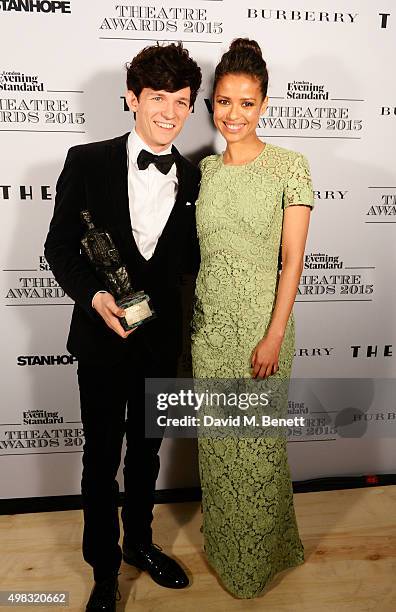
(35,6)
(315,427)
(40,431)
(312,108)
(305,90)
(138,18)
(40,417)
(27,287)
(22,103)
(326,276)
(18,81)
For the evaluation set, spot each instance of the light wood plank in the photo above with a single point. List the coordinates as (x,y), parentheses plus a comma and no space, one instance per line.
(349,538)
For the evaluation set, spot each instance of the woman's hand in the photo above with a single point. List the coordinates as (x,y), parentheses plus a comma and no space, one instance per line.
(265,357)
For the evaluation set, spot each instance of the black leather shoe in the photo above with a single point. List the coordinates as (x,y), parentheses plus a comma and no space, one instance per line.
(104,595)
(162,569)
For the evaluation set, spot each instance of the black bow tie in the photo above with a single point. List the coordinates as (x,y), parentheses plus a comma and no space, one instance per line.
(163,163)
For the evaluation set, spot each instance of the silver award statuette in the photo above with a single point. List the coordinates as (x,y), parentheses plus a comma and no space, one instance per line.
(102,253)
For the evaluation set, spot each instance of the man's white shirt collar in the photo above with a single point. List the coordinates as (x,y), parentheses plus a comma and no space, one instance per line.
(136,144)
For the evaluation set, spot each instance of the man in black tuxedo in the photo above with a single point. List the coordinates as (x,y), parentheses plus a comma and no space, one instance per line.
(142,191)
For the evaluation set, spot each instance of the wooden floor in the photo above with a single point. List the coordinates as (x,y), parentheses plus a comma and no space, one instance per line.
(349,538)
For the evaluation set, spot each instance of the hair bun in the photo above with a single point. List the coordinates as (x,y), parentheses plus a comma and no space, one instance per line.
(245,44)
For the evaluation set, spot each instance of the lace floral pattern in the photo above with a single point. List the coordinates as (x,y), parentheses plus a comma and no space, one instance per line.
(249,523)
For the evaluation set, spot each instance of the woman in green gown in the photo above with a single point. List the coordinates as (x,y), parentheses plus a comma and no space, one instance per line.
(253,198)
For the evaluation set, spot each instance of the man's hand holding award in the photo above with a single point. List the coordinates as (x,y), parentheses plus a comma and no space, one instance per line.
(132,308)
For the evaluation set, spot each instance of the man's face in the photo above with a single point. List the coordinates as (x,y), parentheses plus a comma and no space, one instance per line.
(160,115)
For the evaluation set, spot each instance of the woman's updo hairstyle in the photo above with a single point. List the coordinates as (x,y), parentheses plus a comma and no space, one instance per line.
(243,57)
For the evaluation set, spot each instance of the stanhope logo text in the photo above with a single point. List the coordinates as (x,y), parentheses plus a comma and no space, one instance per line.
(36,6)
(41,360)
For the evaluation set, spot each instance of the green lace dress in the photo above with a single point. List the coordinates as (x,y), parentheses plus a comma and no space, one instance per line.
(249,523)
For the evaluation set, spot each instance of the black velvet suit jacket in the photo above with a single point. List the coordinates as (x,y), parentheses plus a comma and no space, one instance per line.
(94,177)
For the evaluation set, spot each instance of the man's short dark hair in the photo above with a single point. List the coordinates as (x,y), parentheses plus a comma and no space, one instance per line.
(167,68)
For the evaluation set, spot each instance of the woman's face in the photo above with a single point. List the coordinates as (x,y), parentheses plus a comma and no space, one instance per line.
(237,106)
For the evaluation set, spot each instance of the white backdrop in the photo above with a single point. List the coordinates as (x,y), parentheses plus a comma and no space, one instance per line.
(332,97)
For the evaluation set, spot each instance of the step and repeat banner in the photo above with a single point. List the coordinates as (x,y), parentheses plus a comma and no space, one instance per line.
(332,97)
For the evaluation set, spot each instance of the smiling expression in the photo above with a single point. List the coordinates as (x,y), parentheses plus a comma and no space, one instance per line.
(160,115)
(238,104)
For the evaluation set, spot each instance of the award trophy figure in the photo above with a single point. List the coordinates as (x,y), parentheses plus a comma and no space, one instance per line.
(101,251)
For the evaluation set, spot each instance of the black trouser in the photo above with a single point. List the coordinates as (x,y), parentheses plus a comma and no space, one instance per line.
(112,404)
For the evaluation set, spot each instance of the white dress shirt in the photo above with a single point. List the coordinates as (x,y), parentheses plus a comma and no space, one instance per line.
(151,196)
